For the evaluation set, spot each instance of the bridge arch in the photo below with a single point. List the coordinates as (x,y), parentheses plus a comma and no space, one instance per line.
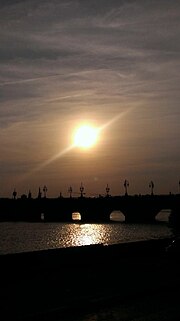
(117,216)
(163,215)
(76,216)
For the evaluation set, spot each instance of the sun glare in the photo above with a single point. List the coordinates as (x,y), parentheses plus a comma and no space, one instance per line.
(85,136)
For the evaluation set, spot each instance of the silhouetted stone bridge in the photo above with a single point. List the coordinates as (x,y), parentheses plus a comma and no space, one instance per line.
(142,208)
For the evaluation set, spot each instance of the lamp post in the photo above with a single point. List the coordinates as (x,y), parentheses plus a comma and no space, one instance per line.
(107,190)
(39,193)
(82,190)
(126,185)
(14,194)
(45,190)
(70,191)
(151,185)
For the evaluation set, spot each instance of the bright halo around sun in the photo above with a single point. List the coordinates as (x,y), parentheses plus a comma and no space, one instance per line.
(85,136)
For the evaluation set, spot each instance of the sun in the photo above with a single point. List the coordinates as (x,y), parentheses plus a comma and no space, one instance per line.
(85,136)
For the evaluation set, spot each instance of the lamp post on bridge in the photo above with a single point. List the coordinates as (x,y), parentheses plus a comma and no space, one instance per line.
(151,185)
(82,190)
(107,190)
(126,185)
(14,194)
(39,193)
(70,191)
(45,191)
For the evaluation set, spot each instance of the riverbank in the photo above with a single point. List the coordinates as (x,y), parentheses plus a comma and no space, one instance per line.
(65,284)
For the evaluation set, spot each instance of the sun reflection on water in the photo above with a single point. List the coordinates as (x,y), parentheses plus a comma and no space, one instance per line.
(89,234)
(80,234)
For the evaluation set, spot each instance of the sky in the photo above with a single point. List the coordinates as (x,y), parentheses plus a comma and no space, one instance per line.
(112,64)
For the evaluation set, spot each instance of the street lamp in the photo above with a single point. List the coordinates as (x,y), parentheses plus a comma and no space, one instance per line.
(107,190)
(14,194)
(126,185)
(45,190)
(82,190)
(151,185)
(70,191)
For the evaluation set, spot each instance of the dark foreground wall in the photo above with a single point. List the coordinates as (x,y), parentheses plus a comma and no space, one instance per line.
(64,283)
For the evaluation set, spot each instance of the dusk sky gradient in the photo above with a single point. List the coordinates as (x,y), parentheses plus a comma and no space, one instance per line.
(110,63)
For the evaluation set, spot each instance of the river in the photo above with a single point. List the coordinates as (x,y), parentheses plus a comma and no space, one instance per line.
(24,236)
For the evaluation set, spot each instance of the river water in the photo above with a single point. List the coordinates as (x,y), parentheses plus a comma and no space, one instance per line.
(24,236)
